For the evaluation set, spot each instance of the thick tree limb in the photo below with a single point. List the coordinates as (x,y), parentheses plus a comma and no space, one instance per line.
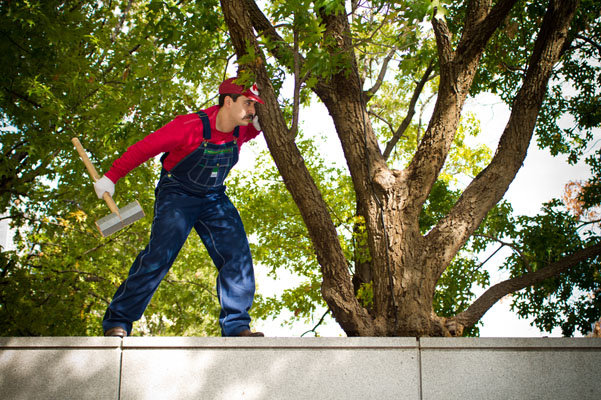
(473,314)
(480,25)
(443,40)
(281,50)
(477,10)
(492,183)
(457,70)
(343,96)
(336,26)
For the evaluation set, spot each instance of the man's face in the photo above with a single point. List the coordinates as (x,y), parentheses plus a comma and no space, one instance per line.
(242,110)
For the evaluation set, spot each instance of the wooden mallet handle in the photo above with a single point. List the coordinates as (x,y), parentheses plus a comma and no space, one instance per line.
(84,157)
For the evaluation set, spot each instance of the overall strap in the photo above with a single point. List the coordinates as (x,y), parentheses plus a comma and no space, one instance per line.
(206,125)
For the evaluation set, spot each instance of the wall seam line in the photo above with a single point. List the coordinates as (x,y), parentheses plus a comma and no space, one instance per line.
(120,370)
(419,370)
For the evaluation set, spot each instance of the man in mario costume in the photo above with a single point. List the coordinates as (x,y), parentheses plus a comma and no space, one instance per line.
(199,150)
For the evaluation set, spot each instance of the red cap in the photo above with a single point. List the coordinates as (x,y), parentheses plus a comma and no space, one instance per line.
(229,87)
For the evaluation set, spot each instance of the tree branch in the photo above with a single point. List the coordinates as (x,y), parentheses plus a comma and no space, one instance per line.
(384,120)
(443,39)
(370,93)
(590,41)
(588,223)
(473,314)
(512,247)
(119,25)
(298,81)
(186,282)
(261,23)
(410,112)
(87,276)
(318,323)
(22,97)
(456,77)
(421,117)
(481,24)
(477,10)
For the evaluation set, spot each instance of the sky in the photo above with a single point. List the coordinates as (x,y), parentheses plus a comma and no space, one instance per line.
(542,178)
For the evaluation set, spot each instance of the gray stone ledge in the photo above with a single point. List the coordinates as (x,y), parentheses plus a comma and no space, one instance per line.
(511,343)
(291,342)
(266,342)
(63,342)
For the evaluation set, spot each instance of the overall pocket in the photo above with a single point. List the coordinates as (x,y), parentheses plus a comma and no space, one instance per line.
(212,167)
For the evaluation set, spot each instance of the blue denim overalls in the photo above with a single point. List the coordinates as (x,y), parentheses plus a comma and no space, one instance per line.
(192,195)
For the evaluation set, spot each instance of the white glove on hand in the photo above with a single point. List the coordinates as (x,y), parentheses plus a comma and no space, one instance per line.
(256,123)
(102,185)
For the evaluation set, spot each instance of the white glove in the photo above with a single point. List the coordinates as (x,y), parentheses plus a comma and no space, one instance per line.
(102,185)
(256,123)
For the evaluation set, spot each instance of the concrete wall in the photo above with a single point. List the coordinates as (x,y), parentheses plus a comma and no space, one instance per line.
(293,368)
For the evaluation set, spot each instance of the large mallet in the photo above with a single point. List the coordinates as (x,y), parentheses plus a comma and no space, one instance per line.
(119,218)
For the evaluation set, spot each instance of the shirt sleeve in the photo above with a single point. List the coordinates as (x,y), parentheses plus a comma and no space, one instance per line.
(163,140)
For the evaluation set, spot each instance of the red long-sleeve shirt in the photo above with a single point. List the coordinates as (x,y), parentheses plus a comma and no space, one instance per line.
(179,138)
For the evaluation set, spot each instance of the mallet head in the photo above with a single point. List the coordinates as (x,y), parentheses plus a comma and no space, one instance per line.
(113,222)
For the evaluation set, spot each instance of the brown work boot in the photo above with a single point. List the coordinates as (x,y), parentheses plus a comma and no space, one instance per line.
(249,333)
(116,331)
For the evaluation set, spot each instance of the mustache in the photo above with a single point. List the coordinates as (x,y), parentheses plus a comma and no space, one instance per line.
(249,116)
